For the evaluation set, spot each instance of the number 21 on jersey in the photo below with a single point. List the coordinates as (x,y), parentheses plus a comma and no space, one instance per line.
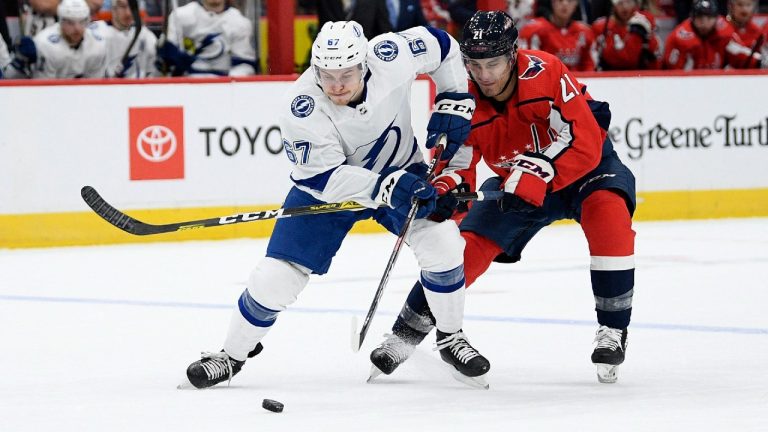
(569,89)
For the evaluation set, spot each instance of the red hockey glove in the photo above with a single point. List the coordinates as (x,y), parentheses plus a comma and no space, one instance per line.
(446,203)
(526,185)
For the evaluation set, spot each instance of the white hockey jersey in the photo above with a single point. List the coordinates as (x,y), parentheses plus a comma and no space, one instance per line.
(338,151)
(142,55)
(223,42)
(56,59)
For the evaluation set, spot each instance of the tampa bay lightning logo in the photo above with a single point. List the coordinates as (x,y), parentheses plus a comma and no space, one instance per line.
(535,67)
(302,106)
(386,50)
(211,47)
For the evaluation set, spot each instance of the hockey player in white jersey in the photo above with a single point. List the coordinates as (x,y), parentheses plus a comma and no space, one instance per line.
(208,39)
(71,48)
(346,127)
(140,62)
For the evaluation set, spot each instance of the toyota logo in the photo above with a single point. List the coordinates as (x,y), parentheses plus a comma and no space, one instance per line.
(156,143)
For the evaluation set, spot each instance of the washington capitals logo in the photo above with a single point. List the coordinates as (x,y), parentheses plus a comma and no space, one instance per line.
(535,67)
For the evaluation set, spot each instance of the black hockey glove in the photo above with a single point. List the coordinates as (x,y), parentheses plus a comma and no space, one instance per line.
(452,117)
(178,60)
(397,188)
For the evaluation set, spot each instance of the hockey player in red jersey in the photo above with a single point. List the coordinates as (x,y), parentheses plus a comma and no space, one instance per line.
(740,14)
(627,39)
(545,139)
(706,41)
(559,34)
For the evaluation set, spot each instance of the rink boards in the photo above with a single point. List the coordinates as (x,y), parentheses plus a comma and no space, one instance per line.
(183,150)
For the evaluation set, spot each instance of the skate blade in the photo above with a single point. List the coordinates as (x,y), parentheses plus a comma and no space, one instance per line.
(355,336)
(375,372)
(186,386)
(606,373)
(478,382)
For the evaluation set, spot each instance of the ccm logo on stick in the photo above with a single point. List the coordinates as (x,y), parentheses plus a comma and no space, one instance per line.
(245,217)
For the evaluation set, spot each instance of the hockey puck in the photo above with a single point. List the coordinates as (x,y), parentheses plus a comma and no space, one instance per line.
(272,405)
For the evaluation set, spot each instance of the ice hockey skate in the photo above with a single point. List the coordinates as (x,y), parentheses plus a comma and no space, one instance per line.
(214,368)
(390,354)
(469,365)
(610,347)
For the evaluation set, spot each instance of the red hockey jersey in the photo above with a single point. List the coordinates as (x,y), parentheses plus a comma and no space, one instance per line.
(573,45)
(620,49)
(749,33)
(547,113)
(686,49)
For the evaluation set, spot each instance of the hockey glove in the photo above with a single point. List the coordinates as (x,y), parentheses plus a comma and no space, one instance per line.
(640,25)
(446,203)
(124,65)
(397,188)
(452,117)
(179,61)
(25,53)
(526,185)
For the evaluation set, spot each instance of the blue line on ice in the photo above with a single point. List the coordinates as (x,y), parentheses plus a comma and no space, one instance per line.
(508,319)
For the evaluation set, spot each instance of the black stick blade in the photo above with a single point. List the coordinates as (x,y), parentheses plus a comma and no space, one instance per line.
(109,213)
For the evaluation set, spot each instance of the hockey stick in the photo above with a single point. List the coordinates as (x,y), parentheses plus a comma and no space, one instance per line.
(137,227)
(137,24)
(359,337)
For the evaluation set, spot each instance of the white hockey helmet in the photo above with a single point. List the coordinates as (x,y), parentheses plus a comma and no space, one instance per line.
(76,10)
(340,45)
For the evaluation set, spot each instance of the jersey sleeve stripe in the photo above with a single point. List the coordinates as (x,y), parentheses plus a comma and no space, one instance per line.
(317,182)
(442,39)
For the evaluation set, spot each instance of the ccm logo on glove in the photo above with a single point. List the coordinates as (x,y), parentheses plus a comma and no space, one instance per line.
(460,109)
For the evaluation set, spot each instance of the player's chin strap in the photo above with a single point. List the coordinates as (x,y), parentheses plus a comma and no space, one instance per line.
(512,57)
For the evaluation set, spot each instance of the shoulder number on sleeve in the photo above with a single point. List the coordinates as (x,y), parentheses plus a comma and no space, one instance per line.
(297,151)
(565,83)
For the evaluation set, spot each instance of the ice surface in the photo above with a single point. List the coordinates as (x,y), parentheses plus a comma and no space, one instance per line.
(97,338)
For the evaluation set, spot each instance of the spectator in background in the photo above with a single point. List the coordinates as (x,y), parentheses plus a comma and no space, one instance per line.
(373,15)
(38,15)
(404,14)
(706,41)
(460,10)
(208,39)
(521,11)
(330,10)
(559,34)
(140,62)
(627,39)
(684,8)
(740,14)
(71,48)
(435,14)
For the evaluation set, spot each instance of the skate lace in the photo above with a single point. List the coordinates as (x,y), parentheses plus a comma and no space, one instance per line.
(218,366)
(459,346)
(608,337)
(395,347)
